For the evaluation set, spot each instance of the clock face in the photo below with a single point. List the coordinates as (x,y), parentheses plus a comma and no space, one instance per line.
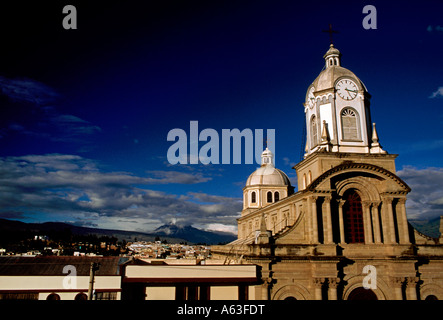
(346,89)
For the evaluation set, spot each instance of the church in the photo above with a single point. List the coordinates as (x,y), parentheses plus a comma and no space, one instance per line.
(344,235)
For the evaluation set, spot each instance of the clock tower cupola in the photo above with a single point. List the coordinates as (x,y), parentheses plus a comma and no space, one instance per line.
(337,111)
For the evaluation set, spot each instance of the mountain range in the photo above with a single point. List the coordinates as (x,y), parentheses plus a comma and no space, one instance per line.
(170,232)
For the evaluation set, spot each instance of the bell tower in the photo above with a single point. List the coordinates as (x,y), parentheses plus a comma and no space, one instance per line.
(338,122)
(337,110)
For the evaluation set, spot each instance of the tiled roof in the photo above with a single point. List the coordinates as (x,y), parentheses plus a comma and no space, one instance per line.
(53,265)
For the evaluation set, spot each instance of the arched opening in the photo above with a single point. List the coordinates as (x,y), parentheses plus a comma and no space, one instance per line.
(290,298)
(253,197)
(81,297)
(53,296)
(431,297)
(353,216)
(269,196)
(362,294)
(276,196)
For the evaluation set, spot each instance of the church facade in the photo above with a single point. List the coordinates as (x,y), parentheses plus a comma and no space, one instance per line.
(344,234)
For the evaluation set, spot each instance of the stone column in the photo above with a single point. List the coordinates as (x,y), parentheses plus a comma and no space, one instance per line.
(318,285)
(367,225)
(396,283)
(391,220)
(340,220)
(266,286)
(332,289)
(411,288)
(314,219)
(376,222)
(403,229)
(388,221)
(327,221)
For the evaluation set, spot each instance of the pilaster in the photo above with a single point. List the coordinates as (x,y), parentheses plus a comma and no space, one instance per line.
(327,220)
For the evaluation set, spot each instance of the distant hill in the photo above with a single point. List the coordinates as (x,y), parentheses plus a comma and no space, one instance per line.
(427,227)
(172,234)
(194,235)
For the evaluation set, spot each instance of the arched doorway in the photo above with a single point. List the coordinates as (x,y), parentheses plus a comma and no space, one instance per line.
(353,216)
(362,294)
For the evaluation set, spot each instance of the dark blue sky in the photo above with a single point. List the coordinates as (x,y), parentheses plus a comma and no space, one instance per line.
(85,113)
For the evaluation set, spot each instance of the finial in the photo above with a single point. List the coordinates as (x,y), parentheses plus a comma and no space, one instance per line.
(375,145)
(326,138)
(325,133)
(263,228)
(374,134)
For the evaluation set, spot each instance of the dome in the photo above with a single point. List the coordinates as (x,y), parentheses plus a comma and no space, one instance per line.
(268,175)
(327,78)
(334,71)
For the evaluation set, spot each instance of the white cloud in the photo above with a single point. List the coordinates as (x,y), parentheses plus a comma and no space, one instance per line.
(74,188)
(425,201)
(222,228)
(438,93)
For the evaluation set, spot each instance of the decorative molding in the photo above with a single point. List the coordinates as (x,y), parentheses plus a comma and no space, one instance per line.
(361,166)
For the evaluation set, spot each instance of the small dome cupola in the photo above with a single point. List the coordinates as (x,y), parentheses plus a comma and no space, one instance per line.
(267,158)
(265,185)
(332,57)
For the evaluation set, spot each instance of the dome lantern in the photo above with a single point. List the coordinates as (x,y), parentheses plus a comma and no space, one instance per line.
(267,158)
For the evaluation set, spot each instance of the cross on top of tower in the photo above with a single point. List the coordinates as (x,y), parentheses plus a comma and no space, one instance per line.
(331,32)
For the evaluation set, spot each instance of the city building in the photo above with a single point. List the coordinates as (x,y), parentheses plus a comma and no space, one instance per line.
(123,278)
(196,280)
(59,277)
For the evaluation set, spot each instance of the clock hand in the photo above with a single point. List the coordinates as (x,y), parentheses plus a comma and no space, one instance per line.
(351,90)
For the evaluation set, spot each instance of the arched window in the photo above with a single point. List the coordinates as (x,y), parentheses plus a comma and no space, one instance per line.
(276,196)
(309,177)
(314,135)
(353,216)
(269,196)
(253,197)
(304,181)
(349,123)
